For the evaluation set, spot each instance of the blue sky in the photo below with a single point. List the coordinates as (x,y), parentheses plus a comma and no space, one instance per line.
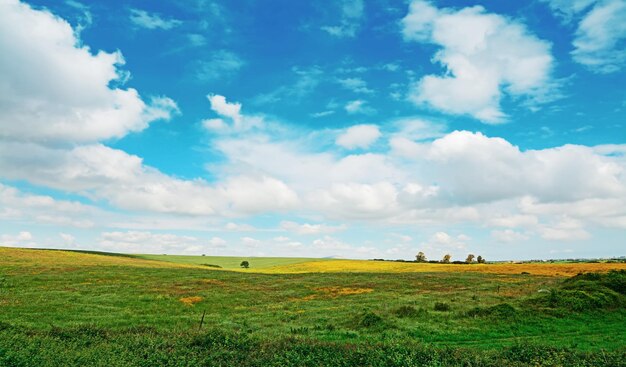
(351,129)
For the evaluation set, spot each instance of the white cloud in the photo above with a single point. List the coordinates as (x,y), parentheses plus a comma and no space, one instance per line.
(566,229)
(359,136)
(310,229)
(330,243)
(22,239)
(137,242)
(237,227)
(358,106)
(567,9)
(214,124)
(357,201)
(508,235)
(252,195)
(147,20)
(16,205)
(223,108)
(250,242)
(356,85)
(54,89)
(351,13)
(601,36)
(290,160)
(458,177)
(232,113)
(485,56)
(68,239)
(322,113)
(492,169)
(123,180)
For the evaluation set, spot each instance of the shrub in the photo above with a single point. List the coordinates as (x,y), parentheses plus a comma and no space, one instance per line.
(369,320)
(409,311)
(244,264)
(586,292)
(442,306)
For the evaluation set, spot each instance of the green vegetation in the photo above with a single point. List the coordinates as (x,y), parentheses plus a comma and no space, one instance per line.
(122,315)
(228,262)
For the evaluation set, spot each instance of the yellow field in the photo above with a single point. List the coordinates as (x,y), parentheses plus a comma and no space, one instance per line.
(558,269)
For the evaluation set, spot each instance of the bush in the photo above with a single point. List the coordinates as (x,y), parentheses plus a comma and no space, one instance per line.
(442,306)
(614,280)
(244,264)
(586,292)
(369,320)
(409,311)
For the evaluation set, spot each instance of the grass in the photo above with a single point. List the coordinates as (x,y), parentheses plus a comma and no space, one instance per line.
(63,308)
(231,263)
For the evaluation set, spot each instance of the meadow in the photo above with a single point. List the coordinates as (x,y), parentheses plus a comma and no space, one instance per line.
(61,308)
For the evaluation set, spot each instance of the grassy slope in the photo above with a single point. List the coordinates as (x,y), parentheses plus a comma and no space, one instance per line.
(230,262)
(44,294)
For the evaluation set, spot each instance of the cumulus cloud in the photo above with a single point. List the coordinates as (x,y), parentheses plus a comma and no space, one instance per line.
(17,205)
(359,136)
(231,118)
(55,89)
(143,19)
(123,180)
(493,168)
(457,177)
(223,108)
(485,56)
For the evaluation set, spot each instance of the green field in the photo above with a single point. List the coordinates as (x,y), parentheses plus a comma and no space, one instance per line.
(73,309)
(229,262)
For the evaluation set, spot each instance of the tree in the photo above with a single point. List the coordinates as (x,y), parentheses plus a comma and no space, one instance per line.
(480,259)
(470,258)
(420,257)
(446,258)
(244,264)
